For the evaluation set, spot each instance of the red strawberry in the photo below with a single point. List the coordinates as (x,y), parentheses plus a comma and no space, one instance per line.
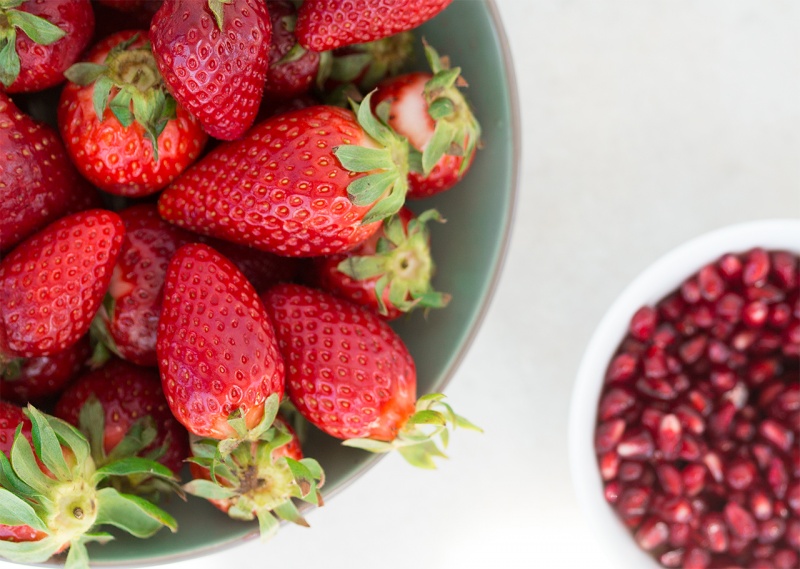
(296,184)
(433,114)
(38,183)
(292,69)
(39,40)
(391,271)
(121,127)
(127,394)
(259,479)
(350,375)
(214,57)
(37,379)
(52,284)
(128,320)
(327,24)
(263,270)
(216,347)
(55,495)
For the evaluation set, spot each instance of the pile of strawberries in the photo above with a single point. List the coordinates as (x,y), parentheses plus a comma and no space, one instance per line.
(206,250)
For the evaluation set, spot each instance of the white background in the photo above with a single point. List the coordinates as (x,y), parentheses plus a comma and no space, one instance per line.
(645,123)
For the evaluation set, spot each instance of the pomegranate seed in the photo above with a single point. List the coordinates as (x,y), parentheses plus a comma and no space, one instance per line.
(630,471)
(696,559)
(743,431)
(756,267)
(785,559)
(700,402)
(690,420)
(770,531)
(718,352)
(691,350)
(643,323)
(762,370)
(636,445)
(767,293)
(740,521)
(793,533)
(784,267)
(769,393)
(715,532)
(761,563)
(672,307)
(690,449)
(755,313)
(609,465)
(611,491)
(670,432)
(789,400)
(763,551)
(722,329)
(608,434)
(651,418)
(776,434)
(679,534)
(720,421)
(779,315)
(730,267)
(729,307)
(761,505)
(673,558)
(665,335)
(714,465)
(742,340)
(622,368)
(702,316)
(763,455)
(711,284)
(670,479)
(781,510)
(633,502)
(793,497)
(652,534)
(681,382)
(615,403)
(690,291)
(722,380)
(740,474)
(655,362)
(777,477)
(657,388)
(677,510)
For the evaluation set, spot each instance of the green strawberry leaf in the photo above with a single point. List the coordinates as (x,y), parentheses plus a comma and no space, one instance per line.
(369,445)
(38,29)
(131,513)
(441,141)
(100,94)
(9,60)
(77,556)
(441,108)
(46,444)
(120,105)
(72,439)
(29,551)
(25,466)
(368,189)
(139,436)
(289,512)
(10,480)
(208,490)
(268,525)
(133,465)
(85,73)
(361,159)
(14,511)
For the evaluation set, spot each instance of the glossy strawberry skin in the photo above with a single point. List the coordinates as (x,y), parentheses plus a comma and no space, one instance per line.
(137,283)
(127,393)
(287,79)
(218,77)
(216,347)
(280,189)
(52,284)
(43,66)
(41,379)
(329,24)
(38,183)
(348,372)
(408,116)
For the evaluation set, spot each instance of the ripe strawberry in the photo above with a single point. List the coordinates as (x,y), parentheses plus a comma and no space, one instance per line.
(309,182)
(121,127)
(52,284)
(433,114)
(127,321)
(39,40)
(258,479)
(391,271)
(214,57)
(55,497)
(263,270)
(350,375)
(216,347)
(292,69)
(132,405)
(38,183)
(327,24)
(36,380)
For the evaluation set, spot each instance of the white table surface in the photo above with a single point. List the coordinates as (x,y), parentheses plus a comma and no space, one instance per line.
(644,124)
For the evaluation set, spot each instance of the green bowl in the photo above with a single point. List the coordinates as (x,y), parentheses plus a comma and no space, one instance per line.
(468,250)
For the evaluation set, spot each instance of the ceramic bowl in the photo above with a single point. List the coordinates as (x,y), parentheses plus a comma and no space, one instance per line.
(468,250)
(658,280)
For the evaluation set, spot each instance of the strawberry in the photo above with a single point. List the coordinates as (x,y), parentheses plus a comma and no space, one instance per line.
(309,182)
(350,375)
(214,57)
(127,322)
(261,269)
(54,496)
(433,114)
(216,347)
(121,127)
(258,479)
(39,379)
(292,69)
(52,284)
(131,405)
(39,40)
(38,183)
(391,271)
(328,24)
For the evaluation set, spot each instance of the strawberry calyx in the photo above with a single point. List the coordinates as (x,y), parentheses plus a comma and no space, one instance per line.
(385,161)
(103,343)
(242,434)
(39,30)
(51,484)
(402,265)
(415,441)
(129,84)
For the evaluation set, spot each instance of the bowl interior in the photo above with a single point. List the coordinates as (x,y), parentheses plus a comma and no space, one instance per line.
(468,250)
(658,280)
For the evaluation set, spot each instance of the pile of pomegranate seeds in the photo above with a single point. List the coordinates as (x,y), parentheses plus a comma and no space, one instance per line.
(698,433)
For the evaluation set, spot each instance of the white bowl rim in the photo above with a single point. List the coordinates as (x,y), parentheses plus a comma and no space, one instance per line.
(652,284)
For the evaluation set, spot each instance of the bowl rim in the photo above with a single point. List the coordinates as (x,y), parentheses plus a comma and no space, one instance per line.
(653,283)
(483,309)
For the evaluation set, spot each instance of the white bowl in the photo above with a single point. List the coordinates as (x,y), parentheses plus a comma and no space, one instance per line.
(658,280)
